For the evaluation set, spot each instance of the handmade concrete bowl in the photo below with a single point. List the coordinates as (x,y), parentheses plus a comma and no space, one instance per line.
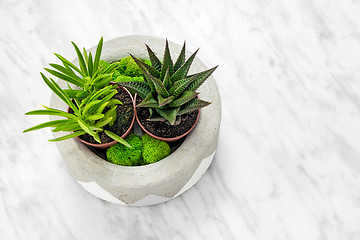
(160,181)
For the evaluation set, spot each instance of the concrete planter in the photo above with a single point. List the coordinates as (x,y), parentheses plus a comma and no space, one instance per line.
(157,182)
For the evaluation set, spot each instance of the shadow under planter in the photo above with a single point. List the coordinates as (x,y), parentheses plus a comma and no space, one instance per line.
(160,181)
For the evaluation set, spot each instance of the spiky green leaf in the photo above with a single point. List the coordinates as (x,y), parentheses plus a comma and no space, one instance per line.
(100,77)
(184,98)
(146,67)
(67,71)
(180,60)
(201,77)
(51,112)
(74,134)
(117,138)
(103,82)
(167,62)
(85,127)
(141,88)
(179,87)
(59,92)
(104,121)
(68,64)
(90,65)
(64,77)
(102,92)
(98,54)
(159,86)
(184,69)
(155,62)
(193,105)
(94,117)
(170,114)
(72,93)
(167,81)
(98,108)
(96,137)
(149,101)
(113,102)
(85,54)
(145,72)
(81,60)
(54,123)
(111,113)
(89,105)
(70,127)
(163,101)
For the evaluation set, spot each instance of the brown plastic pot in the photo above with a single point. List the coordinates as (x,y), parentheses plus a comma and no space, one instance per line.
(109,144)
(173,139)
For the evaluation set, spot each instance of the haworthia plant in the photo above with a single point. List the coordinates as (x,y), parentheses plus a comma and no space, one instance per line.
(168,90)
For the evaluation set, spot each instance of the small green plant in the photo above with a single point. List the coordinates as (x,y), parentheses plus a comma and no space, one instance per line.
(153,149)
(168,90)
(93,74)
(89,115)
(92,105)
(121,155)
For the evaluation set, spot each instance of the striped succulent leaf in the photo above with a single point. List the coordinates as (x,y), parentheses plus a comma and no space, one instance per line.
(154,59)
(141,88)
(184,69)
(149,101)
(179,87)
(193,105)
(184,98)
(200,79)
(167,62)
(181,59)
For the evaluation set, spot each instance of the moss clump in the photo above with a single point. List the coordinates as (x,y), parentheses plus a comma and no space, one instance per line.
(122,155)
(128,67)
(145,150)
(154,149)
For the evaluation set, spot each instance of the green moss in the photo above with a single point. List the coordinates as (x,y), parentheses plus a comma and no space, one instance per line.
(121,155)
(128,67)
(154,149)
(116,74)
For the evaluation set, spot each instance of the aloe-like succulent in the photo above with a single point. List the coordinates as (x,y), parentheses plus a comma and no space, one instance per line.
(90,114)
(168,90)
(89,77)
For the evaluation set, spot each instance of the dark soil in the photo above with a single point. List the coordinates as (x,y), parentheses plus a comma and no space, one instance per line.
(162,129)
(124,117)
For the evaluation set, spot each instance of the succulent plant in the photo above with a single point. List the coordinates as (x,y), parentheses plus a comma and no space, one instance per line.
(90,114)
(92,75)
(168,90)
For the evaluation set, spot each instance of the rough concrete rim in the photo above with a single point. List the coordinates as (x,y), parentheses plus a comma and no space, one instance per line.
(179,162)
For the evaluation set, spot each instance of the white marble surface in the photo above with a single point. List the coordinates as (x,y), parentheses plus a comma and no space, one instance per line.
(288,159)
